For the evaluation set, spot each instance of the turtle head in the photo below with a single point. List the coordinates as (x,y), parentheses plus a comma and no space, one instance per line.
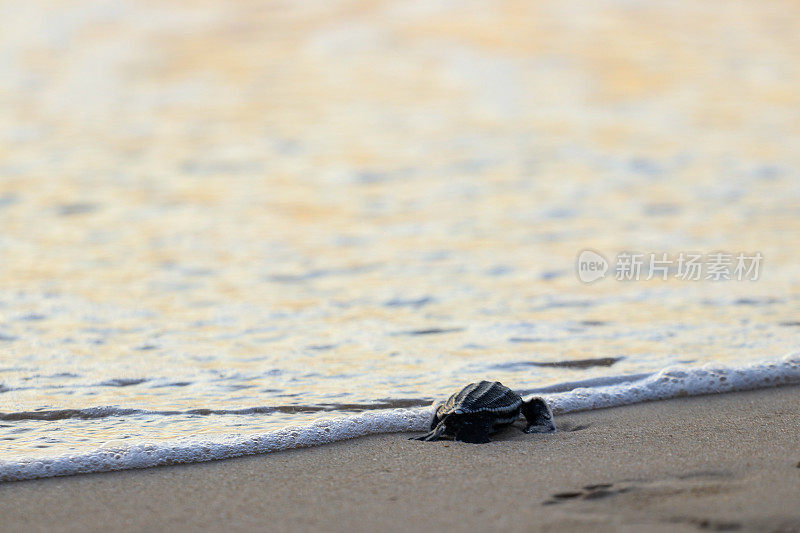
(538,415)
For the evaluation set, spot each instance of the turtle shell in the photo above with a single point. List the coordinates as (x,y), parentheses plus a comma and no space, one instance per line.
(484,397)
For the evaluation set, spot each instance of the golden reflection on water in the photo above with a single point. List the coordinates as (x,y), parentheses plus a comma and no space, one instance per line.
(261,200)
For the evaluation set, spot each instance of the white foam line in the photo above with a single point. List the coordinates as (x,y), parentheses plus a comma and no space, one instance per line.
(679,381)
(671,382)
(195,450)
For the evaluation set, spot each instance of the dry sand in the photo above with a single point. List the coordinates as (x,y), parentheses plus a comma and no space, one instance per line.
(726,462)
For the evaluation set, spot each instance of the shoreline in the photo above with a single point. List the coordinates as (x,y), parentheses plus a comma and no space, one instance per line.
(672,382)
(698,463)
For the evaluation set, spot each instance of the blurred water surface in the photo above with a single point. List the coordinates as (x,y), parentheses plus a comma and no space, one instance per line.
(226,217)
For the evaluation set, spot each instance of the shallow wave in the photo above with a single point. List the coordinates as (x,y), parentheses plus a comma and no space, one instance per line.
(671,382)
(680,381)
(106,411)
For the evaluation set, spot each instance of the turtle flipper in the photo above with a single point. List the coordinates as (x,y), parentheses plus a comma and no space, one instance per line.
(474,429)
(538,415)
(434,435)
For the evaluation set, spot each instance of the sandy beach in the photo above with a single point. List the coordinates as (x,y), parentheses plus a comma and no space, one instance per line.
(723,462)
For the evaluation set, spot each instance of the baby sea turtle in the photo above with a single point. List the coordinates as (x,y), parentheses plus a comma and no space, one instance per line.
(481,409)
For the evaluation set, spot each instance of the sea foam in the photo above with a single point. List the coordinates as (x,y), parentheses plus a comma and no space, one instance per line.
(671,382)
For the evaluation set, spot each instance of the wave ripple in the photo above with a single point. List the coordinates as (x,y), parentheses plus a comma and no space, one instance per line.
(671,382)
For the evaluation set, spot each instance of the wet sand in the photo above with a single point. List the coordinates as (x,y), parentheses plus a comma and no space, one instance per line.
(724,462)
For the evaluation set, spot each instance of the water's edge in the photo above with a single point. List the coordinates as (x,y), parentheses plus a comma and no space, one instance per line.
(671,382)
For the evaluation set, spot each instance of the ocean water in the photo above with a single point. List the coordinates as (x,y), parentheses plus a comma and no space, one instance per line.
(221,220)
